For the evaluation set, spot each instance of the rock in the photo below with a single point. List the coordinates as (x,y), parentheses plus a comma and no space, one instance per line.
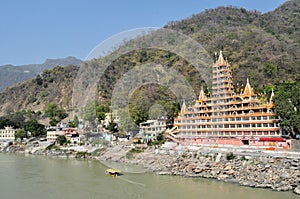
(294,163)
(267,166)
(198,170)
(232,180)
(164,173)
(297,190)
(214,173)
(230,172)
(227,168)
(285,175)
(283,188)
(222,177)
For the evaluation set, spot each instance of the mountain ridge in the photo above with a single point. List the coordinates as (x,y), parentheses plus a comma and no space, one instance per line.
(256,49)
(11,74)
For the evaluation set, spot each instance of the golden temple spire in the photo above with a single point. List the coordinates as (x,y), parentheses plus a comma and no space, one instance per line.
(183,108)
(247,90)
(271,97)
(221,61)
(201,95)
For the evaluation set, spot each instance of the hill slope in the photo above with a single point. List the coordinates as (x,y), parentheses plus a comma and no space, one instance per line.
(53,85)
(262,47)
(10,74)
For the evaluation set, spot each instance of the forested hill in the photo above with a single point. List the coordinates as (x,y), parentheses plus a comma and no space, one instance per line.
(262,47)
(51,86)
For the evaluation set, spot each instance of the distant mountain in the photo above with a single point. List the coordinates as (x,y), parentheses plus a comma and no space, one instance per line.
(10,74)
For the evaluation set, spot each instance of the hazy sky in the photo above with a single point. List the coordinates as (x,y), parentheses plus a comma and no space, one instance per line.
(34,30)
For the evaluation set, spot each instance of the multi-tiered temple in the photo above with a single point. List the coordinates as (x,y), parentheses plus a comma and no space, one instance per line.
(227,117)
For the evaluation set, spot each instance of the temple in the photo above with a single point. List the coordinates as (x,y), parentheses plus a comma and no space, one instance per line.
(228,118)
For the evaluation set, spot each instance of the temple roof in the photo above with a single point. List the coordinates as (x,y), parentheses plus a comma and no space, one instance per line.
(183,108)
(221,61)
(271,98)
(248,91)
(201,95)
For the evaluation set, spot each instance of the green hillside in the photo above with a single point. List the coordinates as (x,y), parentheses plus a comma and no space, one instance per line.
(262,47)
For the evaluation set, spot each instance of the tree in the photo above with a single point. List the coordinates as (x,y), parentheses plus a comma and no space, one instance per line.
(55,113)
(94,110)
(20,134)
(36,129)
(61,140)
(112,127)
(270,69)
(89,112)
(126,123)
(101,111)
(75,122)
(4,121)
(287,104)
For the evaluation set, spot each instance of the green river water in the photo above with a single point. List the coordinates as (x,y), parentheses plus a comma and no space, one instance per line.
(45,177)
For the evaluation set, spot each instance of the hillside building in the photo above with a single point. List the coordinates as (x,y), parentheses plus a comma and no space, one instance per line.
(227,118)
(150,129)
(7,134)
(53,133)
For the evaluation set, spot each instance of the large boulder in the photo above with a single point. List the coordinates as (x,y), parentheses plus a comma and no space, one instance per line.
(297,190)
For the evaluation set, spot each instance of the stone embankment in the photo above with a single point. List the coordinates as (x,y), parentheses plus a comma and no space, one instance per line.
(276,173)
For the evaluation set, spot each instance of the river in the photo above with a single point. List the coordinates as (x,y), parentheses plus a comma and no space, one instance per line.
(24,176)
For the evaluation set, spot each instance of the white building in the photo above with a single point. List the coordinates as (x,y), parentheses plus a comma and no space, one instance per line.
(7,134)
(150,129)
(110,117)
(53,133)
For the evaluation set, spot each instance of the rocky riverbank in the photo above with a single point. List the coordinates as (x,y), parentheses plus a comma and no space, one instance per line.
(262,171)
(258,171)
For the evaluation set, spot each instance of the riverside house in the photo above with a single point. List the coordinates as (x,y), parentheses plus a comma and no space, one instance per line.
(150,129)
(7,134)
(53,133)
